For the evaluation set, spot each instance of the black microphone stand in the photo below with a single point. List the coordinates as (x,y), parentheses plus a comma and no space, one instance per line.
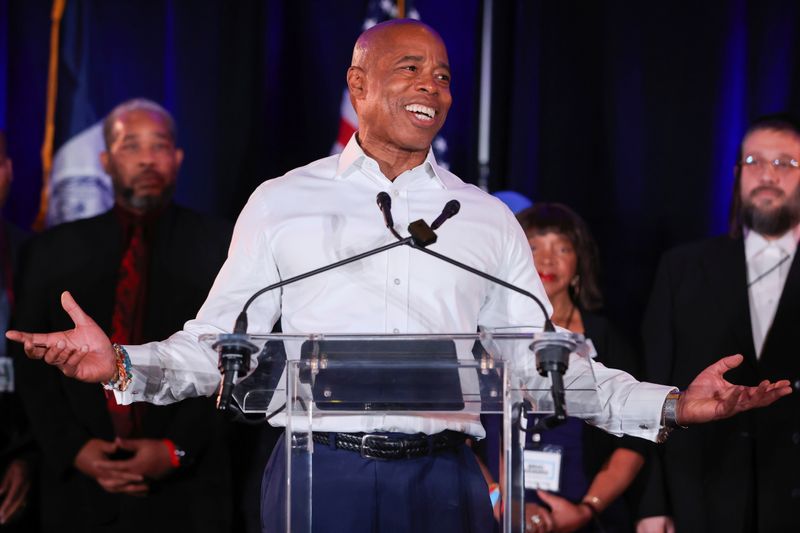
(552,354)
(235,349)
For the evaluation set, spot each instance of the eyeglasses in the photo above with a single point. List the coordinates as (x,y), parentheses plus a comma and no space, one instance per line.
(781,167)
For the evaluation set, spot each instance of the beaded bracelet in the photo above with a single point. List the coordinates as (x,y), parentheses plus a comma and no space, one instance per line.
(124,374)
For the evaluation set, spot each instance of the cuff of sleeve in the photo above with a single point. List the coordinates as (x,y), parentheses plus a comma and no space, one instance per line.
(641,416)
(140,358)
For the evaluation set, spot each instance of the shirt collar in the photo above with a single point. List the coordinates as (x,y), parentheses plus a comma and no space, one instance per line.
(353,159)
(755,242)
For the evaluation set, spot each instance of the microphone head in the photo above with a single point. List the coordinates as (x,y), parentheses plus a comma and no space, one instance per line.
(384,200)
(452,207)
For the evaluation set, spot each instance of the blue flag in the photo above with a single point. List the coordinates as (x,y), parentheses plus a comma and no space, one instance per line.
(78,186)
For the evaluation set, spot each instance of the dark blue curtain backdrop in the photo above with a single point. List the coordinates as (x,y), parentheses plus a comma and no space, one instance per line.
(630,112)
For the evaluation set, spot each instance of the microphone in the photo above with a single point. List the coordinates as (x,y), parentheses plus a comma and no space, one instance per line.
(385,205)
(450,209)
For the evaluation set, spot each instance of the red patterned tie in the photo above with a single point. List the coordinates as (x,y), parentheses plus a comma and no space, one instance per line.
(126,320)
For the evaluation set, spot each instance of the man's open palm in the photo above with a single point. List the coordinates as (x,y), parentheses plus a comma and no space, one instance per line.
(84,352)
(711,397)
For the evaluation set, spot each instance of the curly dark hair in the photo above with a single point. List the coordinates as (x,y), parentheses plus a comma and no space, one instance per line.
(557,218)
(783,122)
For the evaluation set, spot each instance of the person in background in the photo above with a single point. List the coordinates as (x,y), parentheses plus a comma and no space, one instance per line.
(143,268)
(597,468)
(17,453)
(735,293)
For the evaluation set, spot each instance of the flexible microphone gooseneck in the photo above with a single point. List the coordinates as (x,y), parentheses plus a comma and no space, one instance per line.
(235,349)
(230,347)
(551,352)
(423,235)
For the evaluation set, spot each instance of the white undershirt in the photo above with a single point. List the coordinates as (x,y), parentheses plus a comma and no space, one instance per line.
(766,278)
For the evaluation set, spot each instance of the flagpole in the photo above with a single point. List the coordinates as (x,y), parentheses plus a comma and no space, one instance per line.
(49,123)
(484,114)
(401,9)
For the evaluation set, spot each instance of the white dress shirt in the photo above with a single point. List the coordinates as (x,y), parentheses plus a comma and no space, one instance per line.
(768,264)
(326,211)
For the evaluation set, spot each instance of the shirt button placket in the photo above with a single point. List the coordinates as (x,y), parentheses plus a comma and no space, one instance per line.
(397,273)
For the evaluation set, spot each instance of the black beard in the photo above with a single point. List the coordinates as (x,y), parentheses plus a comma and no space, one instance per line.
(148,203)
(772,222)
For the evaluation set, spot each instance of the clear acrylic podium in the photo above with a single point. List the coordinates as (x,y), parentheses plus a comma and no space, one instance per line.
(322,382)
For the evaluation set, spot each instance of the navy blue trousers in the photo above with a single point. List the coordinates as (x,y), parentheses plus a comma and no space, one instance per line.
(441,493)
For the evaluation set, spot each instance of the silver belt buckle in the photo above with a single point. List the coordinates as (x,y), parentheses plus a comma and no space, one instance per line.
(364,440)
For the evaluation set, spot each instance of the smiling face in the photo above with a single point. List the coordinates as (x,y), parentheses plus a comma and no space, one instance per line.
(400,87)
(142,160)
(556,261)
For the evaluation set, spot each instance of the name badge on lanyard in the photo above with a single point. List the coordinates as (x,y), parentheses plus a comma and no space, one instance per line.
(542,468)
(6,375)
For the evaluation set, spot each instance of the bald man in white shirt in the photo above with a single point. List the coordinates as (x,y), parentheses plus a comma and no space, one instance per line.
(399,83)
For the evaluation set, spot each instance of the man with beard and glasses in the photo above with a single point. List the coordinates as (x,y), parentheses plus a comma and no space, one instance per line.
(412,471)
(143,268)
(735,294)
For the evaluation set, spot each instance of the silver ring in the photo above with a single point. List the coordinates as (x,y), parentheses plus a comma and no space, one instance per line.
(536,519)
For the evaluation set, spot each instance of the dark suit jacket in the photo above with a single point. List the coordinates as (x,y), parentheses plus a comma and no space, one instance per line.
(186,251)
(14,437)
(743,473)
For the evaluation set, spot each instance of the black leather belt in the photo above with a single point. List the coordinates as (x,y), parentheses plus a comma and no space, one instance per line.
(383,446)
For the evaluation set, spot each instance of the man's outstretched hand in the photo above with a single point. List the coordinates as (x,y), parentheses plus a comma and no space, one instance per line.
(84,352)
(710,397)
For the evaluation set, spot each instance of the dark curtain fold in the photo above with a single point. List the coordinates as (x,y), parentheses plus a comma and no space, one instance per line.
(632,113)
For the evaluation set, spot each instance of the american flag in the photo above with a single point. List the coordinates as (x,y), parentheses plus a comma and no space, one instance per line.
(379,11)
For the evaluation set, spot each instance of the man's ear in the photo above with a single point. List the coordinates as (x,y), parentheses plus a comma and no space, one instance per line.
(356,82)
(179,156)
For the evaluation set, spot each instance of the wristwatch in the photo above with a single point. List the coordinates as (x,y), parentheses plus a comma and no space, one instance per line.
(669,415)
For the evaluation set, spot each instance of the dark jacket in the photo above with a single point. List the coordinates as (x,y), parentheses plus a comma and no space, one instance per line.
(16,441)
(741,474)
(14,437)
(186,251)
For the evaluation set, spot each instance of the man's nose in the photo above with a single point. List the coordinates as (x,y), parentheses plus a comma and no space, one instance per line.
(426,83)
(769,174)
(147,156)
